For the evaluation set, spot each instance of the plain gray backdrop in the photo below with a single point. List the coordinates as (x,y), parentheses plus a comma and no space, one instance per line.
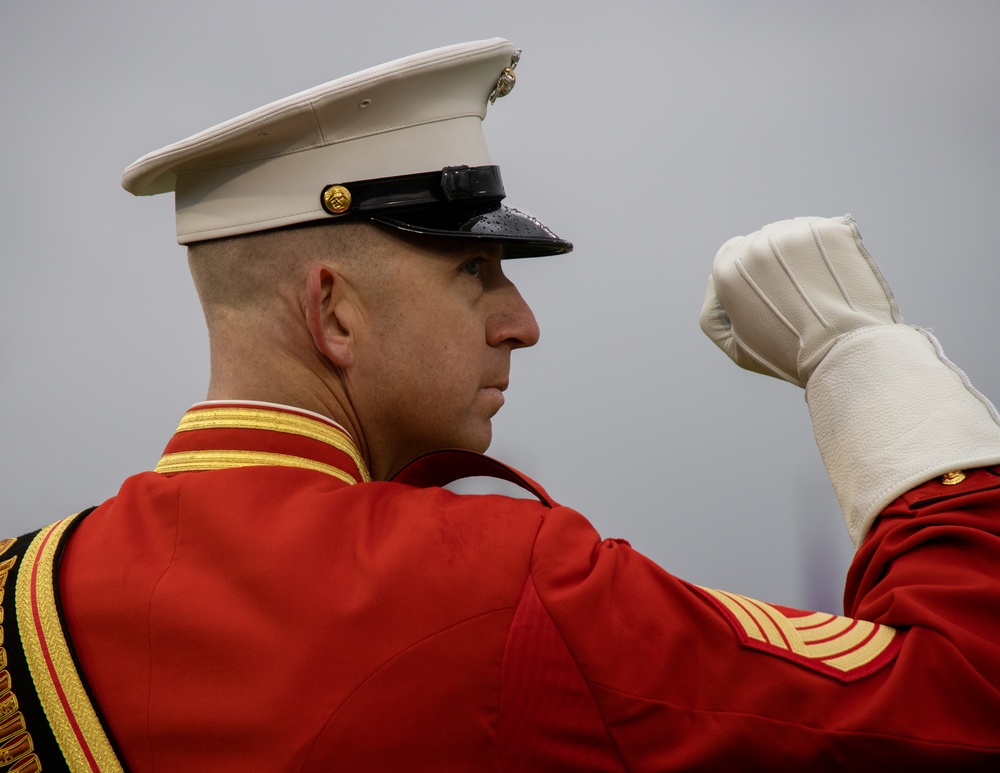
(648,133)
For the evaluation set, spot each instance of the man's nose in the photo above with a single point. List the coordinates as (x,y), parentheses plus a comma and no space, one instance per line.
(513,322)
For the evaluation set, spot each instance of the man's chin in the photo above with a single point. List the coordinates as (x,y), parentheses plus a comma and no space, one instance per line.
(483,445)
(482,439)
(473,437)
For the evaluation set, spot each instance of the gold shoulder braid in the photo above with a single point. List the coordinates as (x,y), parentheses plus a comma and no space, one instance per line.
(48,721)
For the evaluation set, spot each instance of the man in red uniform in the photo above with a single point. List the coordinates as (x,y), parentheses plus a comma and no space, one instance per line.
(286,591)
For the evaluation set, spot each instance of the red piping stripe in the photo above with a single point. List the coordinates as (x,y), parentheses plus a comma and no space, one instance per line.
(48,660)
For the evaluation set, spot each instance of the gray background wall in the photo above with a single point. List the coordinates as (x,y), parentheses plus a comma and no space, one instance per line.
(646,132)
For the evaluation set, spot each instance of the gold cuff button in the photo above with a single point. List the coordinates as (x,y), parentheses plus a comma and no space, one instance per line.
(952,478)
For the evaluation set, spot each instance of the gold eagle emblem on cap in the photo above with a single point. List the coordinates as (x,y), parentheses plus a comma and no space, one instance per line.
(507,79)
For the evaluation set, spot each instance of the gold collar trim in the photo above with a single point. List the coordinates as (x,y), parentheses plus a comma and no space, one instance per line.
(274,421)
(197,461)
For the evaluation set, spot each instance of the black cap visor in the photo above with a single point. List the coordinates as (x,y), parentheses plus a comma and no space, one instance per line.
(458,202)
(521,235)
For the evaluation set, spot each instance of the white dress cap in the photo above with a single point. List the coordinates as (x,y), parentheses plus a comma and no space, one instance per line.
(401,143)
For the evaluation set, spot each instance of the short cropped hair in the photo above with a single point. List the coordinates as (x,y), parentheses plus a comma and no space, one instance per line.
(241,273)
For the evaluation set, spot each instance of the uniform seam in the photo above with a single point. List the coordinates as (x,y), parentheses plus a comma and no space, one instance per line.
(149,627)
(506,643)
(572,655)
(381,667)
(786,723)
(586,681)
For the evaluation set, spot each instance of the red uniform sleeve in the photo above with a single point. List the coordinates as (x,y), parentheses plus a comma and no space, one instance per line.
(651,673)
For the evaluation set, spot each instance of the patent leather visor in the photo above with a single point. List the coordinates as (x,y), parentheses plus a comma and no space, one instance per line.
(454,203)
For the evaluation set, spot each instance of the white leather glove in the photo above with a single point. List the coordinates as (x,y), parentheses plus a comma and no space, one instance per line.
(803,301)
(779,298)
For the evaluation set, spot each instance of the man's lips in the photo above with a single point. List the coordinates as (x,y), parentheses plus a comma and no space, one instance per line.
(496,391)
(500,382)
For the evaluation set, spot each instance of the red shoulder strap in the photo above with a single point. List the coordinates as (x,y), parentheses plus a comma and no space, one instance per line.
(440,468)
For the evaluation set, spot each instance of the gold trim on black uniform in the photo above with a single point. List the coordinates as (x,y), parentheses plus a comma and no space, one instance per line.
(48,720)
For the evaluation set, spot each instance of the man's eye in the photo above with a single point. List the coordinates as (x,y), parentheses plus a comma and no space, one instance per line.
(473,267)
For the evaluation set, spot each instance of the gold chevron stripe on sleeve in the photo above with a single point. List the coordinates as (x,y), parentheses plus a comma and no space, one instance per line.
(197,461)
(832,626)
(862,656)
(790,637)
(775,626)
(839,643)
(71,715)
(850,638)
(814,619)
(274,421)
(750,627)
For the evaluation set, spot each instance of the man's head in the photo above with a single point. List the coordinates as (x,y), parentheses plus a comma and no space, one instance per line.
(404,340)
(346,243)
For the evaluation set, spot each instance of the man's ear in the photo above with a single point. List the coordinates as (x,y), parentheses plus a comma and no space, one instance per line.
(329,314)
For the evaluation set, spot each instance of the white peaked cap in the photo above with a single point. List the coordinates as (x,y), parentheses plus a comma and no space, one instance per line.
(401,143)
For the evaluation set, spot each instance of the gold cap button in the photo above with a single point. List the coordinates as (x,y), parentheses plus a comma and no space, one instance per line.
(952,478)
(336,199)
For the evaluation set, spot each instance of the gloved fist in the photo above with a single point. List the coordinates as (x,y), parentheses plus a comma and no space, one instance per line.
(801,300)
(780,298)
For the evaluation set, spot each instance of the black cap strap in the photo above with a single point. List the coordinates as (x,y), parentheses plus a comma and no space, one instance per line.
(451,185)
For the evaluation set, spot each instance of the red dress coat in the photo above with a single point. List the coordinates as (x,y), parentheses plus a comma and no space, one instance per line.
(257,604)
